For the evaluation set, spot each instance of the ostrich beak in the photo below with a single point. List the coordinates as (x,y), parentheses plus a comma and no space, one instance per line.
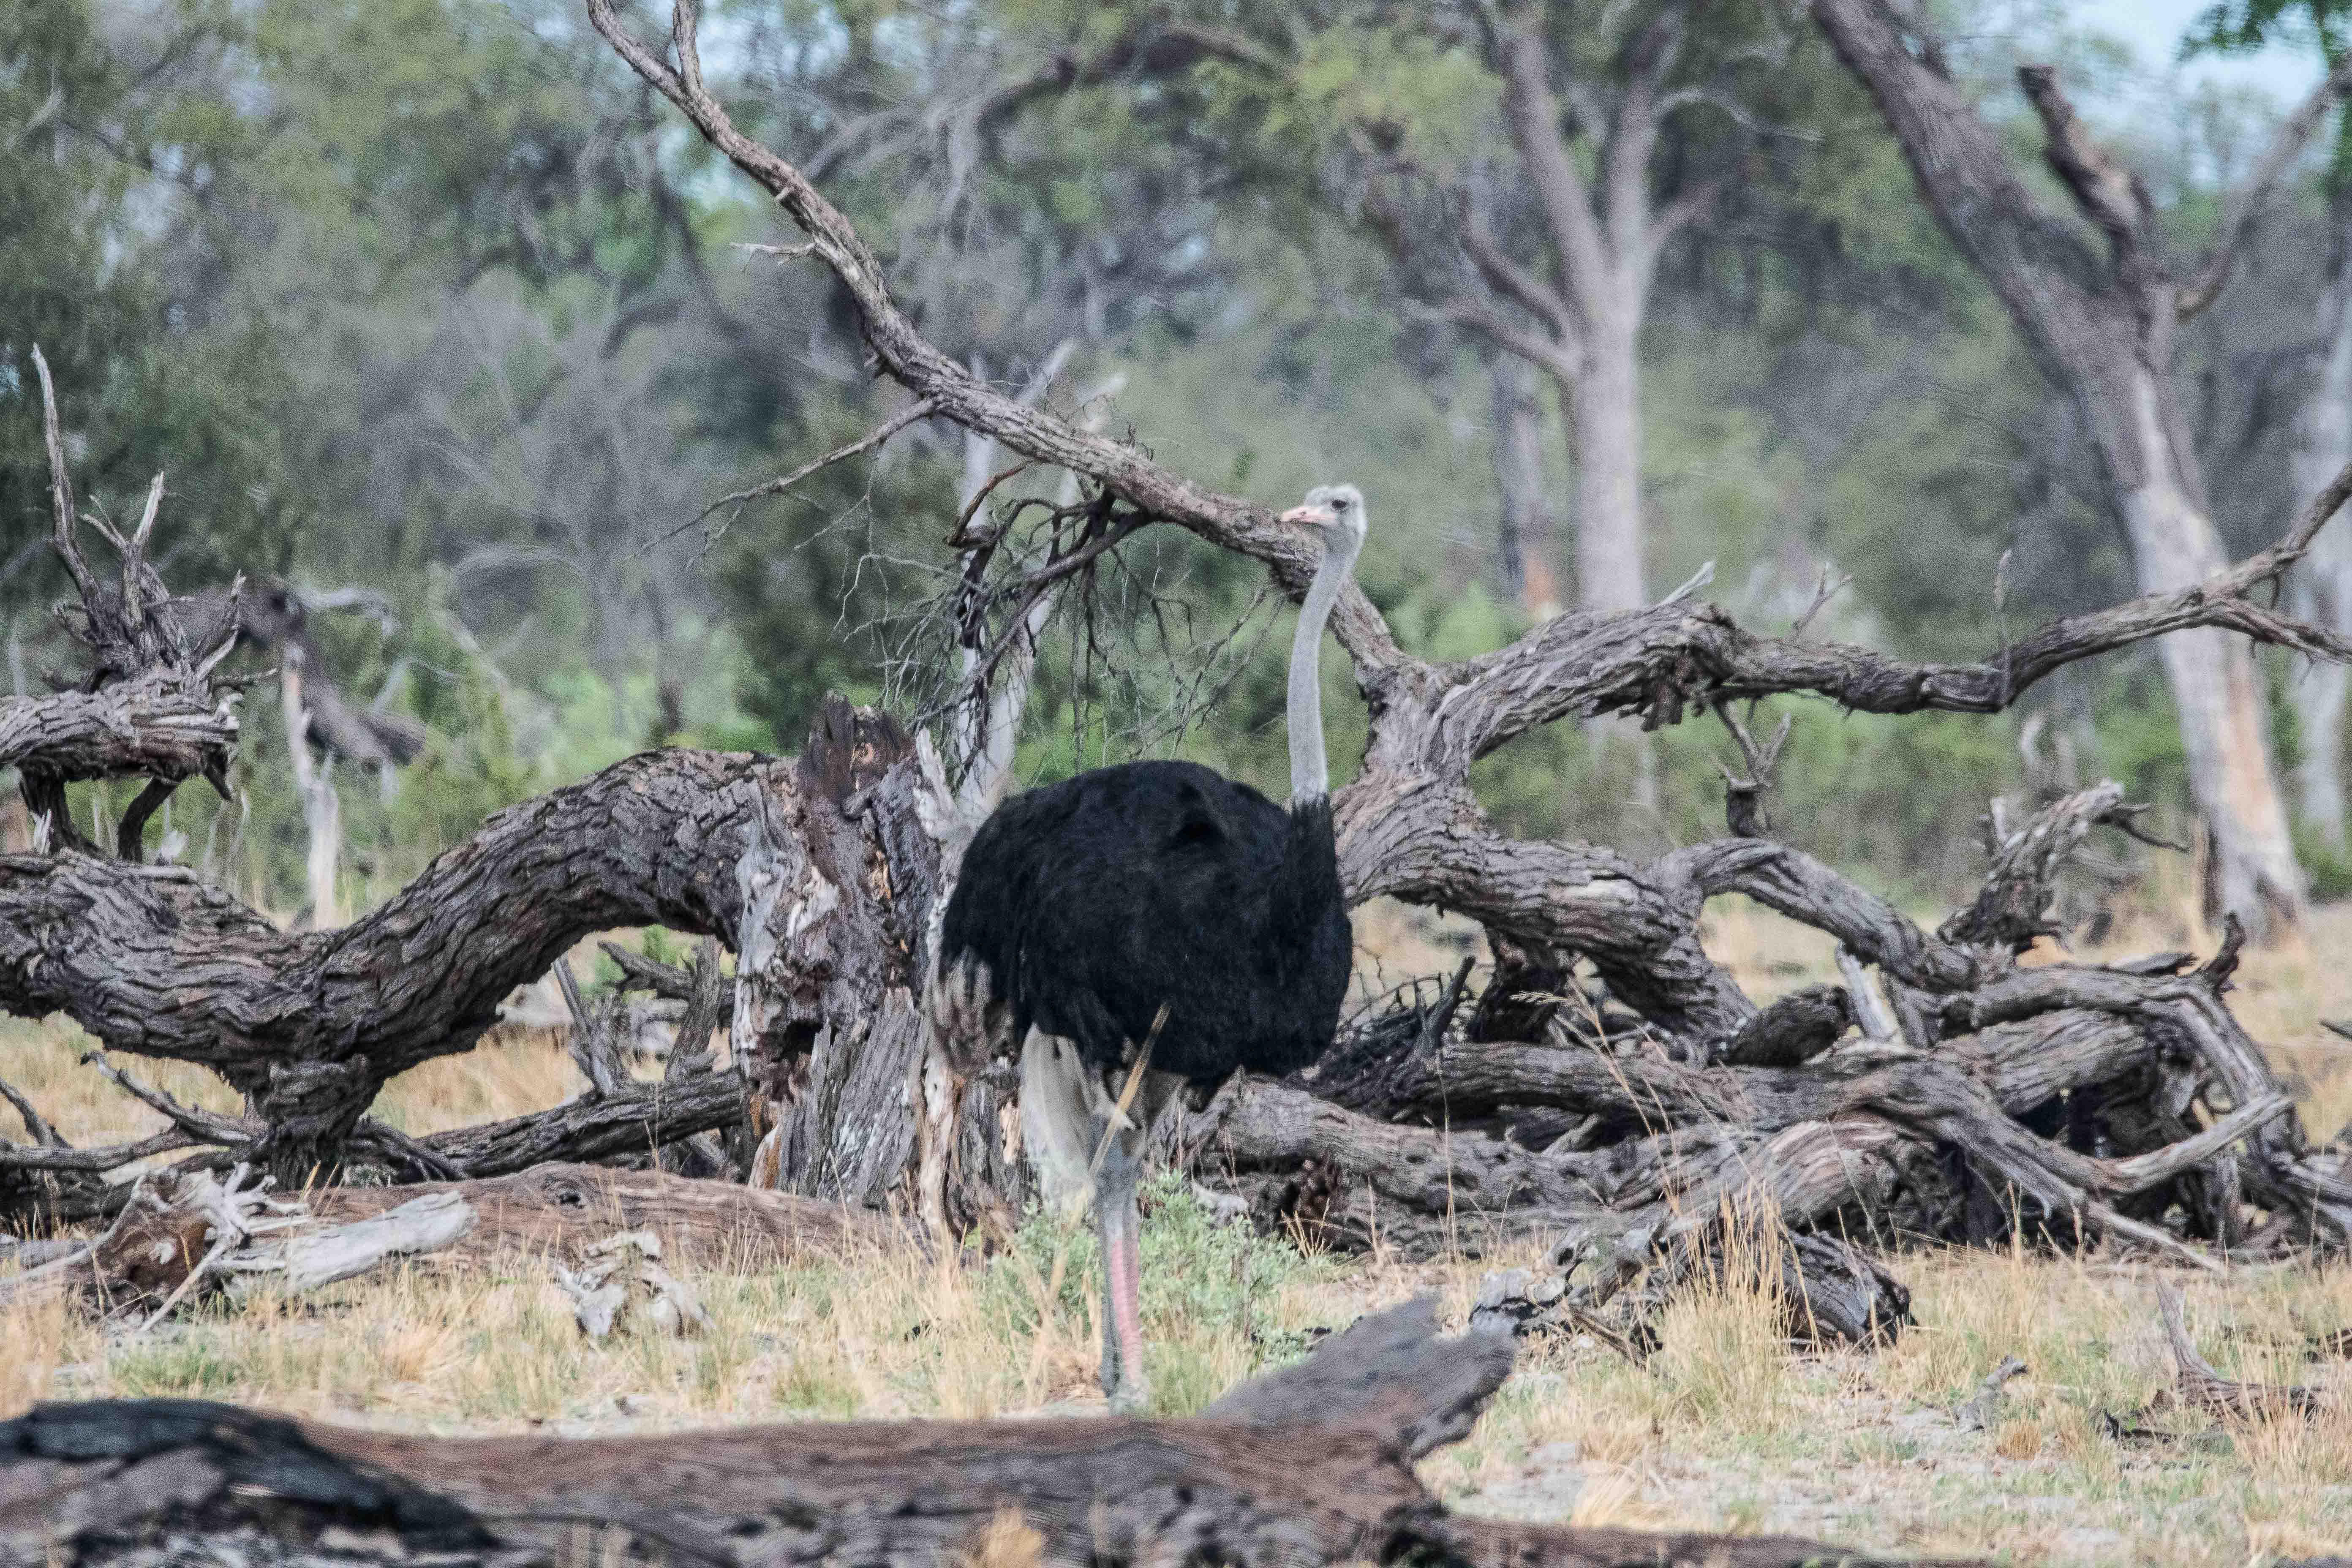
(1310,516)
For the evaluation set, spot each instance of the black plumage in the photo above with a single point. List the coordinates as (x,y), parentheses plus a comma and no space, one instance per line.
(1094,901)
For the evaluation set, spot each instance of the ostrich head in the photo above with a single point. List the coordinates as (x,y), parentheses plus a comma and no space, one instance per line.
(1332,510)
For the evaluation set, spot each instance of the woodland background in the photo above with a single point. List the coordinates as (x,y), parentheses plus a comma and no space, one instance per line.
(430,310)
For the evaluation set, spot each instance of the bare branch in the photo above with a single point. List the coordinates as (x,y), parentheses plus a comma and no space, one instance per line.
(1516,282)
(112,1157)
(2239,210)
(920,409)
(1246,527)
(61,488)
(46,1136)
(200,1125)
(2109,195)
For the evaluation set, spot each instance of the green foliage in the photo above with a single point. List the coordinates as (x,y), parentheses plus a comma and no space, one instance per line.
(1203,1281)
(805,580)
(142,384)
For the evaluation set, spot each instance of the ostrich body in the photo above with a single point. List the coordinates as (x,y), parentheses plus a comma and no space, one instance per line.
(1087,905)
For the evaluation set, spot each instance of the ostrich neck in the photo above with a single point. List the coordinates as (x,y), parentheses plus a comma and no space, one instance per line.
(1310,777)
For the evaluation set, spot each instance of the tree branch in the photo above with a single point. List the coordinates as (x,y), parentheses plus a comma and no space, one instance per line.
(2038,264)
(2239,210)
(1533,118)
(154,961)
(1244,527)
(2110,196)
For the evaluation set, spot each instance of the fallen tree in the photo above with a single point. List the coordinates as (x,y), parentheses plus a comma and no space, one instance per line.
(1308,1465)
(2120,1101)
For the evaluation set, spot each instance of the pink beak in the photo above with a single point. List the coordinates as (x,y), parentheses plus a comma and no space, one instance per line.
(1312,516)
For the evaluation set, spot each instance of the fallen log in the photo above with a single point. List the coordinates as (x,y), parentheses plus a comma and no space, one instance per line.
(639,1120)
(1308,1465)
(561,1207)
(48,1184)
(181,1235)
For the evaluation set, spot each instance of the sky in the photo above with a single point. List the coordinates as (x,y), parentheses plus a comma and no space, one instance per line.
(2154,29)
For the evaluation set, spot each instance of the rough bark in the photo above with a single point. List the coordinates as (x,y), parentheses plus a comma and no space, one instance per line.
(310,1024)
(632,1124)
(1265,1477)
(2102,326)
(152,726)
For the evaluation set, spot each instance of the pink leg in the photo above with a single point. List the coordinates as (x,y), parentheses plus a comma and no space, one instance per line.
(1120,1230)
(1128,1308)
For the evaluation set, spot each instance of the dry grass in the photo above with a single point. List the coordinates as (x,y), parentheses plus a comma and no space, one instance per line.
(1726,1428)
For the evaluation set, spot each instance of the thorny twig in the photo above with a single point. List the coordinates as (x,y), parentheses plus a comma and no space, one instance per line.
(921,409)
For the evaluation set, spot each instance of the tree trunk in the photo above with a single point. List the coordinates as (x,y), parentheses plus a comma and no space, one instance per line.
(2322,592)
(314,784)
(1605,430)
(2217,690)
(1528,532)
(2100,321)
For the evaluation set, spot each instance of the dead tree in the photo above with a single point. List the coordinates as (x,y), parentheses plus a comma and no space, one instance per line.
(1309,1464)
(2102,326)
(151,704)
(1584,144)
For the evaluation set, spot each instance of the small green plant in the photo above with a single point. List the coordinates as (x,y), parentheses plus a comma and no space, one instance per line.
(1208,1291)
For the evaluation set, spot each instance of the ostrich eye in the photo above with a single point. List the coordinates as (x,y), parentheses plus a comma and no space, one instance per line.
(1339,503)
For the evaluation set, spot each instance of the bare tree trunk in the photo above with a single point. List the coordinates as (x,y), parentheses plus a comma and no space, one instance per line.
(2100,321)
(1528,532)
(1605,432)
(2216,688)
(2323,591)
(322,808)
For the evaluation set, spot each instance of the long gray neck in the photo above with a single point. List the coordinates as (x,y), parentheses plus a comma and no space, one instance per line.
(1310,777)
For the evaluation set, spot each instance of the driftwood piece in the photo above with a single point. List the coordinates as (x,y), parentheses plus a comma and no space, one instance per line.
(2011,911)
(622,1276)
(1311,1466)
(2201,1385)
(702,1225)
(180,1235)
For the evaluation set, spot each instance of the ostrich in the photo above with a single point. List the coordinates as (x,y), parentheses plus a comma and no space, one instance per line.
(1150,924)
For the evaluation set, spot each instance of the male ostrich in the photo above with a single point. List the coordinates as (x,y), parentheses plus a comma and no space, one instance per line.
(1085,907)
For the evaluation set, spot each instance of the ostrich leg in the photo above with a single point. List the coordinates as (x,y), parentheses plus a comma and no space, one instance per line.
(1119,1227)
